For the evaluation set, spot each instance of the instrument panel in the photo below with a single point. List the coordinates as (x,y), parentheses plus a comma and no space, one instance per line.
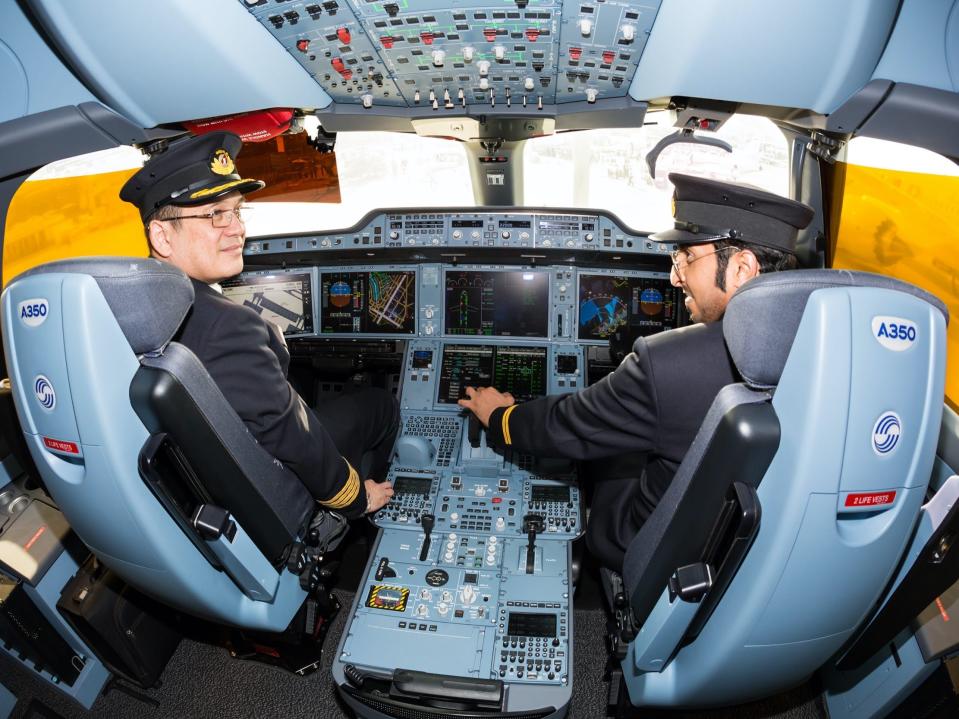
(526,54)
(547,230)
(471,573)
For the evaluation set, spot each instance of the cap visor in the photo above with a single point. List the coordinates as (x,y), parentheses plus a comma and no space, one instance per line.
(209,194)
(682,237)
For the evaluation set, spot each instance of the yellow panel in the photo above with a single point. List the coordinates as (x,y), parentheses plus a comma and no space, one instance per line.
(70,217)
(903,224)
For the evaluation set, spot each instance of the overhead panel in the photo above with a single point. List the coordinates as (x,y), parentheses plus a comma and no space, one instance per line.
(497,54)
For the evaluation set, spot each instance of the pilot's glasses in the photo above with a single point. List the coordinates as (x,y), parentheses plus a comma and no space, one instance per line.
(680,263)
(218,218)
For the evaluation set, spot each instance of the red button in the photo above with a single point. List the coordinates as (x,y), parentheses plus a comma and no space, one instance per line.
(497,500)
(302,45)
(344,35)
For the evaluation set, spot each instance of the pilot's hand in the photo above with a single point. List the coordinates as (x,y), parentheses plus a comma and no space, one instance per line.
(481,401)
(377,495)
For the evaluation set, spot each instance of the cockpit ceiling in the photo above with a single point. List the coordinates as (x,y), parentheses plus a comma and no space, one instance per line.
(527,53)
(362,63)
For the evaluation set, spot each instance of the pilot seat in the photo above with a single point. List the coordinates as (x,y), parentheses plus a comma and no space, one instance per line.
(790,514)
(153,469)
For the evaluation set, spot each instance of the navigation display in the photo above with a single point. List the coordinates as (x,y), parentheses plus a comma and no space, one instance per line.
(638,306)
(521,371)
(284,298)
(368,302)
(511,303)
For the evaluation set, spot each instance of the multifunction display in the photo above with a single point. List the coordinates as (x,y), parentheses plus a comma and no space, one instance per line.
(285,298)
(521,371)
(512,303)
(368,302)
(638,306)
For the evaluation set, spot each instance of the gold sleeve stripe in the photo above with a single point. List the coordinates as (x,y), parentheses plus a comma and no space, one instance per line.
(347,494)
(506,414)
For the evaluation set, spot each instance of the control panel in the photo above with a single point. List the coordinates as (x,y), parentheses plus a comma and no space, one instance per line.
(471,573)
(527,54)
(549,230)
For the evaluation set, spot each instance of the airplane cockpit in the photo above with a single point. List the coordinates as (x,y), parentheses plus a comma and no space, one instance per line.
(475,196)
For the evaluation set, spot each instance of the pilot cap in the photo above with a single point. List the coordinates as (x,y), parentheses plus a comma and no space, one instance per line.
(193,171)
(709,210)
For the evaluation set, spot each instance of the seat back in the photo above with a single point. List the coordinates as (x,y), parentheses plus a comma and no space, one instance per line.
(131,435)
(832,436)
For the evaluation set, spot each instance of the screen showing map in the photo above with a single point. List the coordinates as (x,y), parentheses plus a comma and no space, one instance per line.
(284,298)
(638,306)
(497,304)
(371,302)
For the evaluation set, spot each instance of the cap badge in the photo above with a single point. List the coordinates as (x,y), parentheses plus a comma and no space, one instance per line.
(221,163)
(672,205)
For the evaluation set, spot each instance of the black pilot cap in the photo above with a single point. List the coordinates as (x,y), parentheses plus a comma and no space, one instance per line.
(192,171)
(709,210)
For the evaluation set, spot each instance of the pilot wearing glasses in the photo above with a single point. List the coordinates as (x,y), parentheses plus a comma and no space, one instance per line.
(191,199)
(652,405)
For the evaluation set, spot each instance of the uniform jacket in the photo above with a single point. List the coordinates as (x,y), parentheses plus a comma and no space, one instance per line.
(653,403)
(248,359)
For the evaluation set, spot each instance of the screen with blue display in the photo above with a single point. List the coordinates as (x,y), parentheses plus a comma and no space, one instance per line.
(638,306)
(374,302)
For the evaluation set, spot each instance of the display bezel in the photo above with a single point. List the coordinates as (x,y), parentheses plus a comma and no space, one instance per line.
(546,349)
(311,271)
(584,272)
(367,268)
(545,273)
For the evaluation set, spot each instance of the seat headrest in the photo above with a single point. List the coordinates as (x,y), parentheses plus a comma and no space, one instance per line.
(149,298)
(762,318)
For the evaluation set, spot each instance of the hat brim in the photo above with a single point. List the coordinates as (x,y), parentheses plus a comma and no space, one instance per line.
(216,190)
(684,237)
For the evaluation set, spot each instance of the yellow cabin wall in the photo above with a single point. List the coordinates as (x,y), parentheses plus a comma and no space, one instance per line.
(52,219)
(903,224)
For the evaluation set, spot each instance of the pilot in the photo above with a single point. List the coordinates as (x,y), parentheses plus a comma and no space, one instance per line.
(190,199)
(655,401)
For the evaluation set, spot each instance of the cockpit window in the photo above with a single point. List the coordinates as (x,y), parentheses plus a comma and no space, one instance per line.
(606,169)
(376,170)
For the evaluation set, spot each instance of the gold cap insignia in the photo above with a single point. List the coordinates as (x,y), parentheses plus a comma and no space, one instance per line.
(221,163)
(672,203)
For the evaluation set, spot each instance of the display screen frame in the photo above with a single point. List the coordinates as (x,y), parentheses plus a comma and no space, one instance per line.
(441,400)
(331,270)
(545,273)
(310,330)
(586,273)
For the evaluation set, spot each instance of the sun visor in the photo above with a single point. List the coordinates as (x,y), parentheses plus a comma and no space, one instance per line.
(294,170)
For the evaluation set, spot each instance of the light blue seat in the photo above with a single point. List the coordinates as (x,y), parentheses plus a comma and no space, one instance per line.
(132,439)
(799,496)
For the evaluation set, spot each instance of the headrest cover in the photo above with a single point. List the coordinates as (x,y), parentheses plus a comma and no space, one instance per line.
(149,298)
(192,171)
(762,318)
(709,210)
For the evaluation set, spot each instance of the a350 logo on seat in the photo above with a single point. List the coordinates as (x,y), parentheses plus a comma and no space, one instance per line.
(33,312)
(894,333)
